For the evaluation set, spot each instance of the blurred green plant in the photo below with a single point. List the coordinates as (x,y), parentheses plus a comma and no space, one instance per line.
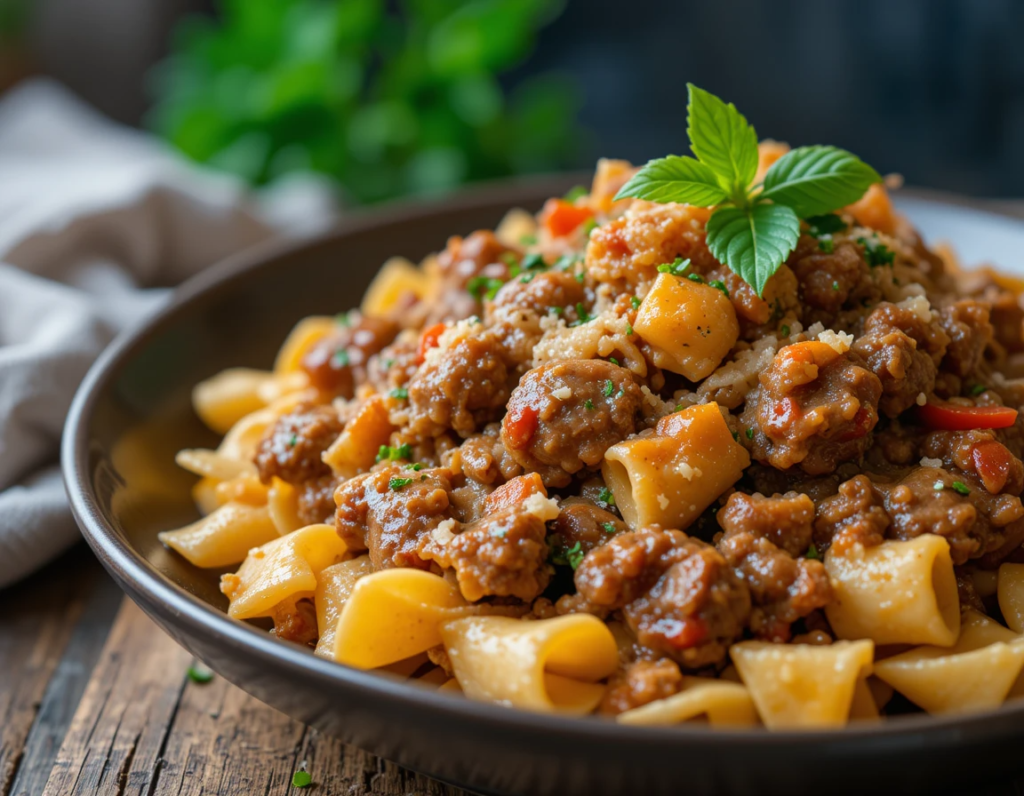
(13,17)
(387,98)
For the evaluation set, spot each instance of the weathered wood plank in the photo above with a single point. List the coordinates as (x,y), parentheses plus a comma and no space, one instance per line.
(118,732)
(37,618)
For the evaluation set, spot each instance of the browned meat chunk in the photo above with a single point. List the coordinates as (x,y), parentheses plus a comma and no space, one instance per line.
(461,388)
(903,351)
(295,621)
(388,512)
(581,522)
(970,331)
(678,595)
(829,279)
(394,366)
(316,499)
(483,458)
(563,416)
(641,683)
(503,555)
(293,447)
(479,255)
(979,452)
(762,539)
(338,362)
(812,414)
(542,293)
(853,516)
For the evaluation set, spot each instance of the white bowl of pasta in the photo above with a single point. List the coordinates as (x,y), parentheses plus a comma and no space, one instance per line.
(433,665)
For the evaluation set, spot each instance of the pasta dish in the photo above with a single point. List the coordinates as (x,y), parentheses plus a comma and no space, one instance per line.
(613,458)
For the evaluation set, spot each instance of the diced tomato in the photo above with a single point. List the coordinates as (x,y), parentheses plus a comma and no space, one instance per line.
(562,217)
(520,424)
(863,422)
(429,339)
(691,632)
(993,461)
(513,492)
(950,417)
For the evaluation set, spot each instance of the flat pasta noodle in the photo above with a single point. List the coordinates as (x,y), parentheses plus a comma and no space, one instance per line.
(396,280)
(723,703)
(670,477)
(280,569)
(895,593)
(213,464)
(547,665)
(863,706)
(283,504)
(356,447)
(395,614)
(516,225)
(224,537)
(304,336)
(224,399)
(333,588)
(243,437)
(802,686)
(1010,590)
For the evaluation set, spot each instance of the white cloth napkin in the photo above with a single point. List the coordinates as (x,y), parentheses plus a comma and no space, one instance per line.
(95,220)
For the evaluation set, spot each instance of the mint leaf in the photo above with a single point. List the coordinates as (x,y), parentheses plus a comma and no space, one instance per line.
(815,180)
(675,179)
(753,241)
(722,139)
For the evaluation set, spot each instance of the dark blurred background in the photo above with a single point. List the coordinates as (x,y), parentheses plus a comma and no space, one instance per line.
(398,97)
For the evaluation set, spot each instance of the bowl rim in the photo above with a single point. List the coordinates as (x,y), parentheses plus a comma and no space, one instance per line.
(152,590)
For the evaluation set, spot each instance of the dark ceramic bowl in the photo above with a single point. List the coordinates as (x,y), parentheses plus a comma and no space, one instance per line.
(133,412)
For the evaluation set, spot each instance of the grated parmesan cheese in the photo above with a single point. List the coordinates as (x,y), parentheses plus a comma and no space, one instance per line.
(921,399)
(840,342)
(542,508)
(815,329)
(919,306)
(562,393)
(442,534)
(926,462)
(688,472)
(663,502)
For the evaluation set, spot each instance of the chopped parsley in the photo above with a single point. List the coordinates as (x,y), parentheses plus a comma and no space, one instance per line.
(750,433)
(580,276)
(533,262)
(340,358)
(484,287)
(415,466)
(582,315)
(835,286)
(510,259)
(735,436)
(572,556)
(528,240)
(978,389)
(695,278)
(588,405)
(388,363)
(555,310)
(720,285)
(606,497)
(629,328)
(812,552)
(198,673)
(825,225)
(301,779)
(397,483)
(342,319)
(609,527)
(961,488)
(526,278)
(677,267)
(827,245)
(576,192)
(403,451)
(876,253)
(566,261)
(399,392)
(613,360)
(785,330)
(589,226)
(293,440)
(635,302)
(609,388)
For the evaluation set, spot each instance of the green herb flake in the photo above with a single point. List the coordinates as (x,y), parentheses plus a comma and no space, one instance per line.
(589,226)
(613,360)
(750,433)
(961,488)
(609,388)
(198,673)
(528,240)
(634,302)
(525,278)
(582,314)
(735,436)
(399,392)
(342,319)
(588,405)
(826,224)
(555,310)
(484,287)
(876,253)
(785,330)
(835,286)
(293,440)
(340,358)
(566,261)
(388,363)
(827,245)
(414,466)
(606,497)
(580,276)
(576,192)
(719,285)
(398,483)
(978,389)
(629,328)
(812,553)
(677,267)
(695,278)
(609,527)
(301,779)
(533,262)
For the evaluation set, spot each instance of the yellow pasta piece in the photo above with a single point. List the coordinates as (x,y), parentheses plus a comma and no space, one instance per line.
(670,477)
(246,489)
(224,399)
(307,333)
(356,447)
(211,464)
(283,503)
(690,326)
(978,630)
(724,703)
(395,614)
(396,280)
(333,588)
(946,682)
(548,665)
(242,439)
(1010,589)
(224,537)
(895,592)
(205,495)
(863,706)
(282,568)
(516,225)
(802,686)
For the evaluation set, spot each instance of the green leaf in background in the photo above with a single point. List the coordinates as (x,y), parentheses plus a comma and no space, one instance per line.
(387,98)
(753,241)
(815,180)
(722,139)
(675,179)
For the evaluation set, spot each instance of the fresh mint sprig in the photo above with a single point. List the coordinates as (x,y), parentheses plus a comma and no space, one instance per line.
(753,228)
